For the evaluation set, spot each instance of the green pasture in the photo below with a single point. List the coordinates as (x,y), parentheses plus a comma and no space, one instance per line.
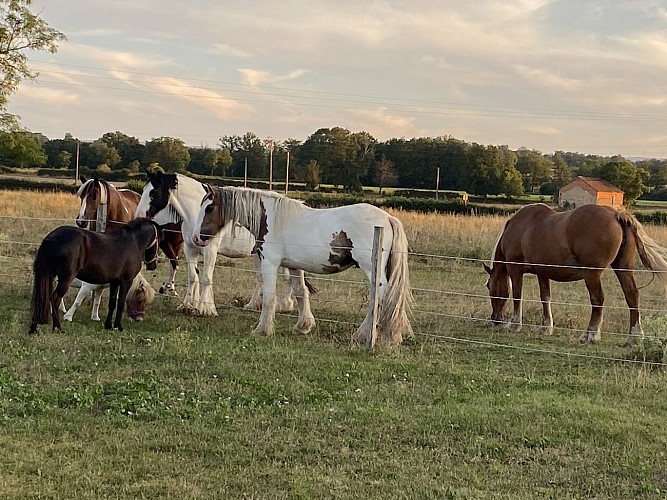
(183,407)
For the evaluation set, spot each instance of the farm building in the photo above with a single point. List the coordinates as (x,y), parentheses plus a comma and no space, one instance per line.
(589,190)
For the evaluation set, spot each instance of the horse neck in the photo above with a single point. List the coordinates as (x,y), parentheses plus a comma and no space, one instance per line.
(120,208)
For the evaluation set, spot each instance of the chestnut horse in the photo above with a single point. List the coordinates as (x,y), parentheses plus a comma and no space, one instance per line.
(120,206)
(571,246)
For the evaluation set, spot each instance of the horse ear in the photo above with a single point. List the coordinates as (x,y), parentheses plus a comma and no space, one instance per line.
(486,268)
(82,179)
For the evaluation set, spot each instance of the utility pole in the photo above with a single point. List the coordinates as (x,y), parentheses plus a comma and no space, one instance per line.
(76,162)
(271,166)
(245,173)
(437,183)
(287,173)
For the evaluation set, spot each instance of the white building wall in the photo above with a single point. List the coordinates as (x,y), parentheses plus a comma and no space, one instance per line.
(576,197)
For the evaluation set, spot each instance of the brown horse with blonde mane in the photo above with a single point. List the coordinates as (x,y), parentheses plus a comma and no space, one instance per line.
(120,206)
(571,246)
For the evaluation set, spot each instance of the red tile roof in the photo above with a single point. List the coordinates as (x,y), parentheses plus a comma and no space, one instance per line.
(593,184)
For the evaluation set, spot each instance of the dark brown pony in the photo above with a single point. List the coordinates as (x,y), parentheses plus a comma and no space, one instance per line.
(70,252)
(571,246)
(121,205)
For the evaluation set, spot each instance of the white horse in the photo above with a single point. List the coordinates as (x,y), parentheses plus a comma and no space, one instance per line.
(169,198)
(141,293)
(322,241)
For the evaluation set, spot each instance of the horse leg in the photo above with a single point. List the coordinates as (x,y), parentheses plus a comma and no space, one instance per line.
(188,305)
(56,299)
(516,321)
(594,286)
(120,306)
(627,281)
(285,302)
(80,297)
(97,299)
(547,326)
(255,302)
(266,317)
(113,297)
(302,294)
(206,301)
(169,285)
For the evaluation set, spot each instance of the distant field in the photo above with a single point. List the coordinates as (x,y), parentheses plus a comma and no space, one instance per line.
(182,407)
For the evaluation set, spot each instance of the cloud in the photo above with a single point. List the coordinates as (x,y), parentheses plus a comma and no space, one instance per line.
(222,49)
(256,77)
(382,124)
(47,95)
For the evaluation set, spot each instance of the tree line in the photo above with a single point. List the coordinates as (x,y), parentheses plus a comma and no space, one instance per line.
(340,157)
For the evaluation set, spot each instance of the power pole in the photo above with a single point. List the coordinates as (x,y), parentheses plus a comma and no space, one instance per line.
(271,166)
(287,173)
(76,162)
(245,173)
(437,183)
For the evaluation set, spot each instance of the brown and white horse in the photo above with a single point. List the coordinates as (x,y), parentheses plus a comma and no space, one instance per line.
(571,246)
(102,204)
(322,241)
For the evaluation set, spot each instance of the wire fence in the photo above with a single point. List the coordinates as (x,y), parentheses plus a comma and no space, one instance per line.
(471,298)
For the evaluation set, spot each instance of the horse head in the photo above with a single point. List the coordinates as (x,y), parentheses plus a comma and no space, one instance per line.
(210,219)
(156,194)
(140,295)
(90,193)
(499,289)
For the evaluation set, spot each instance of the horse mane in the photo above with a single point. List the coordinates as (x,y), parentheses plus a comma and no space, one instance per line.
(85,188)
(144,294)
(243,206)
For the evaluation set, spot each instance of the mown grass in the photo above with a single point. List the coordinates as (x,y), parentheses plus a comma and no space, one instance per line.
(180,407)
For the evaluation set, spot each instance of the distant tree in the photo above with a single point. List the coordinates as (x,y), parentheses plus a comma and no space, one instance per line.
(208,161)
(312,175)
(343,157)
(493,172)
(247,147)
(20,31)
(101,153)
(21,149)
(129,148)
(171,154)
(562,173)
(535,168)
(64,159)
(626,176)
(385,174)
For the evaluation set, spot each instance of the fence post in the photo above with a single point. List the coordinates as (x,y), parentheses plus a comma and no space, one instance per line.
(376,259)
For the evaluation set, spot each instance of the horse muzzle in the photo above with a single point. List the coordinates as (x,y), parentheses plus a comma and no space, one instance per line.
(82,223)
(201,240)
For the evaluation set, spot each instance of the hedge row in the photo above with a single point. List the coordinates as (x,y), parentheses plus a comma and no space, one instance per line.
(321,200)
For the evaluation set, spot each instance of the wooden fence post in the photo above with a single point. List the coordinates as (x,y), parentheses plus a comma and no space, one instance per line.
(376,259)
(101,222)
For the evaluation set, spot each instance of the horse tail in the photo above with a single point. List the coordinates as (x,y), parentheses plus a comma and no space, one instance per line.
(42,290)
(309,285)
(652,255)
(396,305)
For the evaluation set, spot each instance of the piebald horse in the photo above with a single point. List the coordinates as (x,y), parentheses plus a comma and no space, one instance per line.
(571,246)
(322,241)
(140,294)
(106,208)
(175,197)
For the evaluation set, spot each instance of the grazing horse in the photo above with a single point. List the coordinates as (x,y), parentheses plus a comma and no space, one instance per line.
(102,204)
(175,197)
(321,241)
(571,246)
(141,294)
(70,252)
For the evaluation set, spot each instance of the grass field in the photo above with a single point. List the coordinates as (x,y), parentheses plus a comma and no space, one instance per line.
(182,407)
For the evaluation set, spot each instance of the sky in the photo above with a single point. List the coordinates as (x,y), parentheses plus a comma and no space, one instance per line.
(575,75)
